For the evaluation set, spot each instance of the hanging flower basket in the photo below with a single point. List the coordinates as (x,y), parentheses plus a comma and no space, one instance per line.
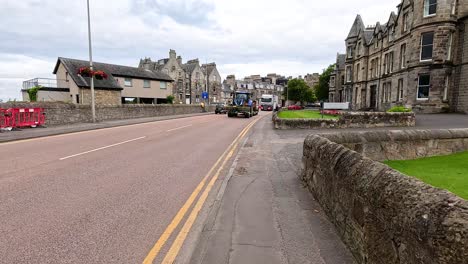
(100,75)
(85,72)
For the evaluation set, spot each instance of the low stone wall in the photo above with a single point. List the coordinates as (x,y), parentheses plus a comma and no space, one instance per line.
(403,144)
(66,113)
(382,215)
(349,120)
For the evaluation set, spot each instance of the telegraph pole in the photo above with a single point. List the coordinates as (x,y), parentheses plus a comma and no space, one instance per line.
(93,103)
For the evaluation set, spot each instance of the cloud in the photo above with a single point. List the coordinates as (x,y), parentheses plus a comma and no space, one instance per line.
(244,37)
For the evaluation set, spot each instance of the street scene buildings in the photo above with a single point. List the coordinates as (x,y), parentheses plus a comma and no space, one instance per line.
(415,59)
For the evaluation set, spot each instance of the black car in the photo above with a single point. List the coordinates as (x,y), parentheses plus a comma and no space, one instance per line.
(220,109)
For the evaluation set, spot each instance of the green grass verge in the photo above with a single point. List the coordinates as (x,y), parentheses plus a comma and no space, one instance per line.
(305,114)
(446,172)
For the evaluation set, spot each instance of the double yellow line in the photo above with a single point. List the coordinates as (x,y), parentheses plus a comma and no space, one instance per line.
(182,235)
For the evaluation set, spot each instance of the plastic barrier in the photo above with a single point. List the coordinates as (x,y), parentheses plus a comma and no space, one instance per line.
(25,117)
(4,118)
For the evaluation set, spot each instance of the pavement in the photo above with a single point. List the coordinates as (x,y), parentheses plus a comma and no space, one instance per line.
(26,133)
(265,214)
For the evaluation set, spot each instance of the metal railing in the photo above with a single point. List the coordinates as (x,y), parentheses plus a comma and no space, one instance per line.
(44,82)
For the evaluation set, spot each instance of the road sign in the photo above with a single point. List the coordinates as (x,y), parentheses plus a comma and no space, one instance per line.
(204,95)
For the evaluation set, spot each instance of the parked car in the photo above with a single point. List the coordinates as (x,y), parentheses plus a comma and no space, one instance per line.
(220,109)
(294,107)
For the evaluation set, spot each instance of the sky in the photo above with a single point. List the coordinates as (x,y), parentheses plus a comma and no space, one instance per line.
(243,37)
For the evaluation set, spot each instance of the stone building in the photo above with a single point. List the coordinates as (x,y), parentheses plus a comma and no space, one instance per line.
(196,81)
(257,85)
(213,81)
(337,80)
(415,59)
(312,79)
(171,66)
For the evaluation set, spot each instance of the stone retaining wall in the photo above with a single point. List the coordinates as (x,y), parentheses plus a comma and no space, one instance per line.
(382,215)
(403,144)
(349,120)
(66,113)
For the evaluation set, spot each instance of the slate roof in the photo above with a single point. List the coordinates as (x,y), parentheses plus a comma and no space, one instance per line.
(357,27)
(341,61)
(368,34)
(112,70)
(190,66)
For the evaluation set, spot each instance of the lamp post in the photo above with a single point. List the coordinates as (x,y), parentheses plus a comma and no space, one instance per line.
(93,103)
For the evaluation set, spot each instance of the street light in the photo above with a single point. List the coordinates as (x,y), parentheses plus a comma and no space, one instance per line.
(93,106)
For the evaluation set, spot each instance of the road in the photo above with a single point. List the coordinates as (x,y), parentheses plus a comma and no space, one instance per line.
(104,196)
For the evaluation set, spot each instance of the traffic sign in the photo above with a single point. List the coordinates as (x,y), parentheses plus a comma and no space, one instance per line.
(205,95)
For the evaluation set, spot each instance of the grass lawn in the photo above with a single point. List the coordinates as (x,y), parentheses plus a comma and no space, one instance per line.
(447,172)
(304,114)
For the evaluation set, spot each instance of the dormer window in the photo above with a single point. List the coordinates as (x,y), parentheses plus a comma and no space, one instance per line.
(405,22)
(430,7)
(350,52)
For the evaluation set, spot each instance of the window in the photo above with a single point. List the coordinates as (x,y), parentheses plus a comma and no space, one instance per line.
(454,7)
(430,7)
(332,81)
(405,22)
(390,62)
(403,56)
(390,34)
(449,47)
(400,90)
(376,43)
(358,49)
(446,87)
(197,76)
(427,46)
(357,72)
(66,76)
(384,92)
(387,92)
(128,82)
(423,86)
(163,85)
(77,98)
(350,52)
(349,70)
(146,83)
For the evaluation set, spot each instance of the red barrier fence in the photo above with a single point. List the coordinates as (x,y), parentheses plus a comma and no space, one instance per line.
(21,117)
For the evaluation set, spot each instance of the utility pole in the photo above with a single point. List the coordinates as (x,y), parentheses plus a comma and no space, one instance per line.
(207,89)
(93,103)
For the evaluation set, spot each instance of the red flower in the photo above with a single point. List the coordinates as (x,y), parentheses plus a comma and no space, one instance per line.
(100,75)
(85,72)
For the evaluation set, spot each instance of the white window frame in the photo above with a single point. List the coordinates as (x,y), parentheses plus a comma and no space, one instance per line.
(405,22)
(349,76)
(403,56)
(421,44)
(427,6)
(400,90)
(454,7)
(146,84)
(419,86)
(350,52)
(162,85)
(128,82)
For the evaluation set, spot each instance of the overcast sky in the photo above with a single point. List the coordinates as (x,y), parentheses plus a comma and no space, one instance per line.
(243,37)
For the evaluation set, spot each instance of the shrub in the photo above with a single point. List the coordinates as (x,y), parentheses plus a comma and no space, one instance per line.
(170,99)
(399,109)
(32,92)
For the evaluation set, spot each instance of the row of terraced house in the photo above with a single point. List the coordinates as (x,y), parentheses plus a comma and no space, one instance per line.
(417,59)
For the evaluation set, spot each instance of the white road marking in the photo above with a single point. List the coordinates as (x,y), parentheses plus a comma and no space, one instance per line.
(101,148)
(174,129)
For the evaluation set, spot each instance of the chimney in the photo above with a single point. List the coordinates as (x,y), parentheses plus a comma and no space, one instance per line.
(172,54)
(179,60)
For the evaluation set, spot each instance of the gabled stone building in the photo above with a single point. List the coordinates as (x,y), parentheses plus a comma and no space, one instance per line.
(171,66)
(214,82)
(196,81)
(337,80)
(416,59)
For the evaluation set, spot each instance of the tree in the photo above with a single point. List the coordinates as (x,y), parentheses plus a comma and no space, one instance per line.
(298,91)
(322,88)
(170,99)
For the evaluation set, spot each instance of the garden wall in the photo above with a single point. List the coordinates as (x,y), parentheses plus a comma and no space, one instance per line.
(349,120)
(66,113)
(382,215)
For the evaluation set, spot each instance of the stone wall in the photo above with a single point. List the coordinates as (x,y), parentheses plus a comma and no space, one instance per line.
(403,144)
(349,120)
(382,215)
(67,113)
